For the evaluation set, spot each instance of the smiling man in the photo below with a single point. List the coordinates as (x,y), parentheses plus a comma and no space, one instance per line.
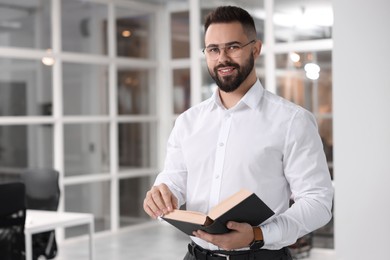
(244,137)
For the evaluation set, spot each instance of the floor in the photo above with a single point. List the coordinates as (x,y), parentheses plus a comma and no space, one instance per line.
(149,241)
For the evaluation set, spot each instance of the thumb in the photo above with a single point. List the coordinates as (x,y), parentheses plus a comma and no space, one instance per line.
(235,225)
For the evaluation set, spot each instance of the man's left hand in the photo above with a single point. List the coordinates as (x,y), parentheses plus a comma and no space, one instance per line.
(240,236)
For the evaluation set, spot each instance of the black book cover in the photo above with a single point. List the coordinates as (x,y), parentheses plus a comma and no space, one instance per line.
(250,210)
(187,227)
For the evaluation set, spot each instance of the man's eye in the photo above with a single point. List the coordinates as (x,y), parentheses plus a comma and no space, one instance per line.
(233,47)
(213,50)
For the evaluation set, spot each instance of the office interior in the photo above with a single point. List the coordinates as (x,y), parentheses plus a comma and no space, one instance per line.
(92,88)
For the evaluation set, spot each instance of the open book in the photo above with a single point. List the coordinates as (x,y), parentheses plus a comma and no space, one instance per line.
(243,206)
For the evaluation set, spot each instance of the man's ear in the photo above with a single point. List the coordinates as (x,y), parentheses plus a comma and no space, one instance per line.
(257,48)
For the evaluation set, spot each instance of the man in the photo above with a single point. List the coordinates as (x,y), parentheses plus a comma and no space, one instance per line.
(244,137)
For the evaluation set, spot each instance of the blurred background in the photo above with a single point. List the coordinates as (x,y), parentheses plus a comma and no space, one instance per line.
(92,88)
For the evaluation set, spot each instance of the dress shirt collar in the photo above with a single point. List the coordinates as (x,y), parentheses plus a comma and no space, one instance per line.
(250,99)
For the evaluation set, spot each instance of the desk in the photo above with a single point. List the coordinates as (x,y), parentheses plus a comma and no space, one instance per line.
(38,221)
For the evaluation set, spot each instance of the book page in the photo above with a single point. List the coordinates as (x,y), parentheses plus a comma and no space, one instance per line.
(229,203)
(187,216)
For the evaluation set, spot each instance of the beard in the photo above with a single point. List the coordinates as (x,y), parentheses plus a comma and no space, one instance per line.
(232,82)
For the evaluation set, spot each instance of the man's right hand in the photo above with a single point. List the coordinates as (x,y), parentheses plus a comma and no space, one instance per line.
(159,200)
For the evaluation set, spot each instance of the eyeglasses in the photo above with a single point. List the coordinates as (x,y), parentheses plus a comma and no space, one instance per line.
(233,50)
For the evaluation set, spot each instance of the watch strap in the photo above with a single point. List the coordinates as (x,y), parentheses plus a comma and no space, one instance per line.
(258,234)
(258,241)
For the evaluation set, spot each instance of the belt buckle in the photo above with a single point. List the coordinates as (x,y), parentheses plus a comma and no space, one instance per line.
(227,257)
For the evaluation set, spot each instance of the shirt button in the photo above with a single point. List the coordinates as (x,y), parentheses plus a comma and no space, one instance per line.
(221,144)
(217,177)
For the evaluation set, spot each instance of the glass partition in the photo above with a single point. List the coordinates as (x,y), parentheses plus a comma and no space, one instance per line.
(136,92)
(89,198)
(86,149)
(180,35)
(25,88)
(83,26)
(181,90)
(85,89)
(136,145)
(131,195)
(24,146)
(305,78)
(309,20)
(134,33)
(25,24)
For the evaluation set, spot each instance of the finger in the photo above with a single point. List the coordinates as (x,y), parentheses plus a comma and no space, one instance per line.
(222,241)
(149,211)
(149,201)
(157,199)
(205,236)
(175,203)
(169,199)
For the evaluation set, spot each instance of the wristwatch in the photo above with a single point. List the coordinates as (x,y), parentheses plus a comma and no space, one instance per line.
(258,241)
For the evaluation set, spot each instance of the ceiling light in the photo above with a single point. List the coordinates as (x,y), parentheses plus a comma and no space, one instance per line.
(312,71)
(48,60)
(312,76)
(126,33)
(295,56)
(312,67)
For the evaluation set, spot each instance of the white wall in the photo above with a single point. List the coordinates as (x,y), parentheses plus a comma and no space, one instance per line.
(361,64)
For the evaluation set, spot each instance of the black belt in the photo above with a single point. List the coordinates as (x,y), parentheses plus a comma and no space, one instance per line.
(203,254)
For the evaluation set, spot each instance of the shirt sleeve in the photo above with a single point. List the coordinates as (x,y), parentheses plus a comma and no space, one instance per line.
(307,173)
(174,174)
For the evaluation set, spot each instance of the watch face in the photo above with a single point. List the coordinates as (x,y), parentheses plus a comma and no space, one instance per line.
(257,244)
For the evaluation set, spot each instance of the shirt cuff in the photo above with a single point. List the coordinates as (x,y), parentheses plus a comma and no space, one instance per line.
(271,234)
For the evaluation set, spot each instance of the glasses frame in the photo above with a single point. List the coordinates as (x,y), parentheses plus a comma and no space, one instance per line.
(227,45)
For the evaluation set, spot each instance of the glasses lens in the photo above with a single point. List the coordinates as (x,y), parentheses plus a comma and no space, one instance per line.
(234,51)
(212,53)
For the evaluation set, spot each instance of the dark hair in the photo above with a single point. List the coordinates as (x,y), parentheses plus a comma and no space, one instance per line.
(230,14)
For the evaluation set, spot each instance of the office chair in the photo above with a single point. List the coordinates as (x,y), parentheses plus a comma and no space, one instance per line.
(12,219)
(42,193)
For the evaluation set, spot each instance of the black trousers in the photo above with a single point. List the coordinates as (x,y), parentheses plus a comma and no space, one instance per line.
(277,256)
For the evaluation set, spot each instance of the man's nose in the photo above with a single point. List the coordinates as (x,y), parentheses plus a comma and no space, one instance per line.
(223,56)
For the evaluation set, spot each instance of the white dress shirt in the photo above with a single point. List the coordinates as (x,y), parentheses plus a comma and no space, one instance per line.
(264,144)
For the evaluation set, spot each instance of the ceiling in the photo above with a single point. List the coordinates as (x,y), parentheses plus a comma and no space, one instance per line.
(312,18)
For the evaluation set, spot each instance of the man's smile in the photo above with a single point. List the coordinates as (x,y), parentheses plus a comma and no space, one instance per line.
(226,71)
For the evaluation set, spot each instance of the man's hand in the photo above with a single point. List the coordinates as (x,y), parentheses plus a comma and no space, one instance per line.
(240,236)
(159,200)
